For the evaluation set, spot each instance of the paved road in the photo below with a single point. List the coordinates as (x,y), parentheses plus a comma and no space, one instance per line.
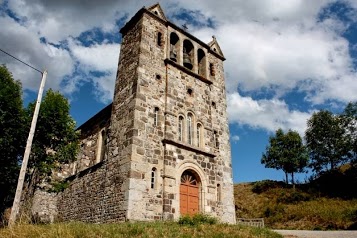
(317,234)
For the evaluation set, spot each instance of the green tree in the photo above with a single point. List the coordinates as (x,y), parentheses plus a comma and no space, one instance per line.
(286,152)
(55,139)
(327,141)
(12,135)
(349,117)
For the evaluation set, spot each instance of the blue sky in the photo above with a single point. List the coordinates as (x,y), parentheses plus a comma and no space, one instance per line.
(285,59)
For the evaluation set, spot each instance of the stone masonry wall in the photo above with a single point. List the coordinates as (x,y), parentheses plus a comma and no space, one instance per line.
(158,147)
(100,193)
(145,203)
(140,176)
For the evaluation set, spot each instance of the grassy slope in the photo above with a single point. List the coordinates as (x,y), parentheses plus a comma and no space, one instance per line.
(154,229)
(288,209)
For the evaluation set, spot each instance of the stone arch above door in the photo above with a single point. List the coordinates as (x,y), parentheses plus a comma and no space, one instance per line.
(190,193)
(189,190)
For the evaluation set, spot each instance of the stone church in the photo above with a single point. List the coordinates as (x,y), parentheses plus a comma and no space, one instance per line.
(161,149)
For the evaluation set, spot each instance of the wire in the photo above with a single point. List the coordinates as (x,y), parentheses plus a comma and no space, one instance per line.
(21,61)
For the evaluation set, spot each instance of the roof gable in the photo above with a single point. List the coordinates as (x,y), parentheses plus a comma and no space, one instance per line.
(157,10)
(215,46)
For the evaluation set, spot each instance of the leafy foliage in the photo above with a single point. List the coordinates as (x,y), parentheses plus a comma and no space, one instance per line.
(197,219)
(286,152)
(59,186)
(12,135)
(349,118)
(302,208)
(340,182)
(265,185)
(327,140)
(55,140)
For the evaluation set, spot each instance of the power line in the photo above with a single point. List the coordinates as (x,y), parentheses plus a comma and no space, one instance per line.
(21,61)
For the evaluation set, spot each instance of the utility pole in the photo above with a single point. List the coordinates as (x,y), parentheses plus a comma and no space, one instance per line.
(20,182)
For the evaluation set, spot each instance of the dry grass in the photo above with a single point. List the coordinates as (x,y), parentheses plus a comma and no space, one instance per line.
(284,208)
(153,229)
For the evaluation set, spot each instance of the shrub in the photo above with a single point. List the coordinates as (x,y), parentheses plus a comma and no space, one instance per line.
(197,219)
(293,197)
(273,210)
(265,185)
(58,186)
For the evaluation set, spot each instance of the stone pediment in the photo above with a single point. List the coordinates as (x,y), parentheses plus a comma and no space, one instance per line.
(157,10)
(215,46)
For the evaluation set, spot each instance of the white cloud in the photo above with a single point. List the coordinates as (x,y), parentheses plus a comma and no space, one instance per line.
(235,138)
(97,57)
(267,56)
(265,114)
(102,58)
(25,45)
(104,87)
(57,20)
(272,44)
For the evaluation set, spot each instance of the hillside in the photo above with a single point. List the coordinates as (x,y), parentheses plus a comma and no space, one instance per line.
(283,207)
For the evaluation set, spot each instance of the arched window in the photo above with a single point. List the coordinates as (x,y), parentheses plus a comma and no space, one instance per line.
(153,178)
(156,116)
(104,142)
(219,193)
(199,135)
(188,54)
(212,70)
(215,139)
(101,144)
(201,59)
(174,46)
(180,128)
(159,39)
(189,128)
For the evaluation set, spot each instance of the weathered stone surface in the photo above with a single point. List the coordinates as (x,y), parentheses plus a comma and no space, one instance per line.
(139,176)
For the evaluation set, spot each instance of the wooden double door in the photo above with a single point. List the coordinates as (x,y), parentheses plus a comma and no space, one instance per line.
(189,194)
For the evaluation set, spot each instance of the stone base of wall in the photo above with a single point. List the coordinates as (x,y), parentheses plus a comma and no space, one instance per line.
(44,206)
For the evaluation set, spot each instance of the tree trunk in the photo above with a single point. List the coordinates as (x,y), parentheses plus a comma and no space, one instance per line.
(293,180)
(286,178)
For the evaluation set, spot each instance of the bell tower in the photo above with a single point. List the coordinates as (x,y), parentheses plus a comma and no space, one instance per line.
(169,128)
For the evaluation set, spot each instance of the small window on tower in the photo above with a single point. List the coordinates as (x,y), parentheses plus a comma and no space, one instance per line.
(215,139)
(213,104)
(180,128)
(189,91)
(159,39)
(199,135)
(219,193)
(212,70)
(158,77)
(156,116)
(189,128)
(153,178)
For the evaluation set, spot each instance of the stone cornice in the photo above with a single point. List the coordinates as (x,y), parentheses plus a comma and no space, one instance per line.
(187,71)
(188,147)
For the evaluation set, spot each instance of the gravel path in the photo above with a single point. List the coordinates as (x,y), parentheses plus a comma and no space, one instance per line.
(317,234)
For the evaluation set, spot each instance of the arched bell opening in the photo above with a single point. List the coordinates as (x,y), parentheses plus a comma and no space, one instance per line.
(188,54)
(174,46)
(201,59)
(190,193)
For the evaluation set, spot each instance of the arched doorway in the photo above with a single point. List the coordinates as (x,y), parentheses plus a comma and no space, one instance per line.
(189,193)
